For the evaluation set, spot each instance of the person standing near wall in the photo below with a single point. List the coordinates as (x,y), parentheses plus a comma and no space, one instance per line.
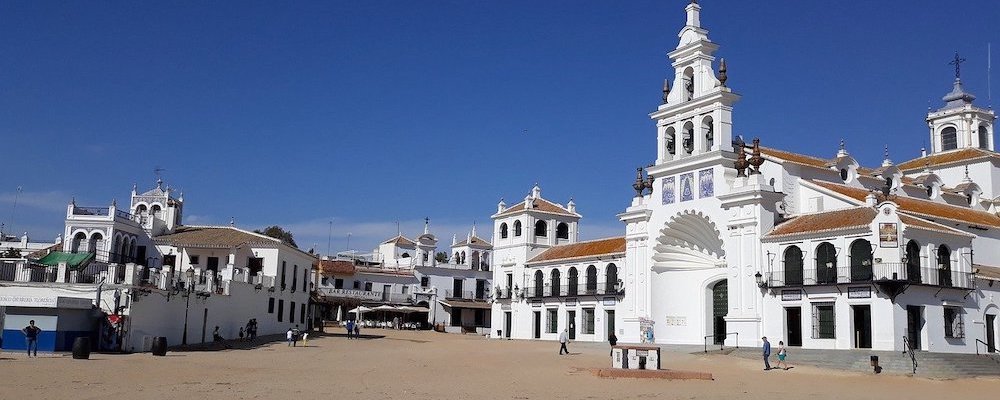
(767,354)
(563,338)
(289,336)
(31,337)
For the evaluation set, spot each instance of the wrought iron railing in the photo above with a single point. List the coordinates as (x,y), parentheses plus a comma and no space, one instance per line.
(908,348)
(467,294)
(585,289)
(878,272)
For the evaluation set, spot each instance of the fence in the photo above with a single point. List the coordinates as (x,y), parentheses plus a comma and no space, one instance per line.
(870,273)
(585,289)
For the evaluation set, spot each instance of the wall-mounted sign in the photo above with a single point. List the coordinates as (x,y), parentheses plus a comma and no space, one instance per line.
(888,234)
(859,292)
(610,301)
(791,295)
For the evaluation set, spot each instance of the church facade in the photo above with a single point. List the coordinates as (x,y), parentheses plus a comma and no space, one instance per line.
(727,241)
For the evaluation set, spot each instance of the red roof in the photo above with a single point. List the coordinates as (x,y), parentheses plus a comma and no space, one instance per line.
(615,245)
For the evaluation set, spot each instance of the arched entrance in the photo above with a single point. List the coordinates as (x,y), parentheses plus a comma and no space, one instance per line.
(720,306)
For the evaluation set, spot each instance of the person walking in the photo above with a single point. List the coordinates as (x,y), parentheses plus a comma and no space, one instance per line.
(254,329)
(305,339)
(782,353)
(241,333)
(357,330)
(249,329)
(767,354)
(612,339)
(563,338)
(350,328)
(289,336)
(295,336)
(31,337)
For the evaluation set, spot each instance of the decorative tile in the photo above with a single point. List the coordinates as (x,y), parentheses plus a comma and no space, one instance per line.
(687,186)
(668,190)
(706,186)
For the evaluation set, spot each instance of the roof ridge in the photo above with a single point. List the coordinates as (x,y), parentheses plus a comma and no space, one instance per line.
(590,241)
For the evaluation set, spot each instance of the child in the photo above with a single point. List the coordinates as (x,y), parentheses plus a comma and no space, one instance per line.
(241,333)
(781,355)
(305,338)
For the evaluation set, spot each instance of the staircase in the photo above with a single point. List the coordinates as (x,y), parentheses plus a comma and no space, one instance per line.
(931,365)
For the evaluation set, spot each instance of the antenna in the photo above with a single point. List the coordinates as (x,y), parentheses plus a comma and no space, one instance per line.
(989,67)
(17,195)
(329,237)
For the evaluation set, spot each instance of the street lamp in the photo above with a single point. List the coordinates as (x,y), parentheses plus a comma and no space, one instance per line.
(189,287)
(760,280)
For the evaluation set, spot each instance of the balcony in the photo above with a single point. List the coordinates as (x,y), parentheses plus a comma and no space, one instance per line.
(467,295)
(503,293)
(882,273)
(586,289)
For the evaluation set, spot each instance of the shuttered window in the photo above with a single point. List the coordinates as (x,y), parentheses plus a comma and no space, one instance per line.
(824,321)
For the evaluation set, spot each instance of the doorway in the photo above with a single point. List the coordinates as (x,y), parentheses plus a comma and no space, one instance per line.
(538,325)
(991,339)
(571,320)
(793,324)
(610,315)
(506,324)
(720,306)
(914,323)
(862,326)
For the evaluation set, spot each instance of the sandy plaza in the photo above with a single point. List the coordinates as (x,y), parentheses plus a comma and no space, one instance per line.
(429,365)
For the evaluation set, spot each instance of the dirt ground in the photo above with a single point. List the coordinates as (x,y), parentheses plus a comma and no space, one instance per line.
(429,365)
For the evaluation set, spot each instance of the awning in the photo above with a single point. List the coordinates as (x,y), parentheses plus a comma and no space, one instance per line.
(360,308)
(987,272)
(465,304)
(414,309)
(72,260)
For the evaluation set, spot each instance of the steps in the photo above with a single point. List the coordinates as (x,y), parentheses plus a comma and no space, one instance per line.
(936,365)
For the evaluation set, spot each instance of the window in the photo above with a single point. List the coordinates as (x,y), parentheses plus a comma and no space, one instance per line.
(552,321)
(270,305)
(538,284)
(826,263)
(912,262)
(295,277)
(456,287)
(193,260)
(368,286)
(405,255)
(984,138)
(357,285)
(480,317)
(541,229)
(425,257)
(824,325)
(291,313)
(953,326)
(456,317)
(554,282)
(944,266)
(843,174)
(425,281)
(861,260)
(793,265)
(949,138)
(283,266)
(517,228)
(281,310)
(562,231)
(325,281)
(574,281)
(305,279)
(591,279)
(503,230)
(611,278)
(588,321)
(405,289)
(338,283)
(302,314)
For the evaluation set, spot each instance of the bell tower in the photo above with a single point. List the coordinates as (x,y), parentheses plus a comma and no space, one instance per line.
(696,114)
(960,124)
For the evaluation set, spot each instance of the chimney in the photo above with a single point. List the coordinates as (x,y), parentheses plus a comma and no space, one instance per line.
(871,200)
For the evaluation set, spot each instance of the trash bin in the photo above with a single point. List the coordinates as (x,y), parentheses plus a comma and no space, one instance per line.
(81,348)
(159,346)
(499,333)
(875,367)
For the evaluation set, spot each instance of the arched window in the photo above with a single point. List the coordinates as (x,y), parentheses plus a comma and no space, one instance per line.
(116,244)
(843,174)
(517,228)
(671,140)
(539,286)
(541,229)
(949,138)
(984,137)
(591,279)
(861,260)
(793,265)
(826,263)
(96,242)
(503,230)
(155,210)
(475,260)
(140,209)
(554,279)
(708,128)
(562,231)
(944,266)
(485,261)
(689,83)
(457,259)
(405,255)
(611,278)
(78,239)
(913,261)
(463,258)
(574,281)
(688,138)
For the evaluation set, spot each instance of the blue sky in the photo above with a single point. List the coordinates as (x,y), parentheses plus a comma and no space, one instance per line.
(367,113)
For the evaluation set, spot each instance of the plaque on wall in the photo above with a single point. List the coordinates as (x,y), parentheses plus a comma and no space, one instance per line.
(687,186)
(888,234)
(610,301)
(859,292)
(791,295)
(706,186)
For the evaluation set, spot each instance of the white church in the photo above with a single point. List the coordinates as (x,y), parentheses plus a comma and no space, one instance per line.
(727,241)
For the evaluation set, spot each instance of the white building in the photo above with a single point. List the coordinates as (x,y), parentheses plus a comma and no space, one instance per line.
(727,241)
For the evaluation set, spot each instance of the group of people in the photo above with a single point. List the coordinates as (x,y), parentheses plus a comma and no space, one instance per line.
(353,329)
(293,335)
(251,330)
(782,353)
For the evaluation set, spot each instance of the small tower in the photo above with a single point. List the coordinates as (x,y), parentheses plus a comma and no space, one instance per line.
(157,210)
(959,124)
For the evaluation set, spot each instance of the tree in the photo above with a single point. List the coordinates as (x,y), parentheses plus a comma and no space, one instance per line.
(279,233)
(441,257)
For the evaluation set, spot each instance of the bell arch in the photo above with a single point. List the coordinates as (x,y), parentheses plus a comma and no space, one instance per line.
(689,241)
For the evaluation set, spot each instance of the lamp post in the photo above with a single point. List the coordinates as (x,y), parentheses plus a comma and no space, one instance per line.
(189,287)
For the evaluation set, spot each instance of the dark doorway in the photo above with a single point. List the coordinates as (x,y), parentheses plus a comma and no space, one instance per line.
(991,339)
(255,264)
(204,325)
(914,323)
(793,322)
(862,326)
(720,306)
(538,325)
(140,256)
(611,322)
(571,320)
(506,324)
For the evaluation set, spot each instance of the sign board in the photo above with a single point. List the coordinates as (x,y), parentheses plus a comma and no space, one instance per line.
(610,301)
(791,295)
(859,292)
(351,294)
(888,234)
(45,302)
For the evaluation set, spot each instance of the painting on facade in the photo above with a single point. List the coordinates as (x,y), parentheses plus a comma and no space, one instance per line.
(687,186)
(668,190)
(888,234)
(706,186)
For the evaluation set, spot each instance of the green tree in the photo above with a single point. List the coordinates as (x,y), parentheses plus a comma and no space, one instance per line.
(279,233)
(441,257)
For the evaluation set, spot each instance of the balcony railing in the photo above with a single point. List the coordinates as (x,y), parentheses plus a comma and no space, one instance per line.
(503,293)
(586,289)
(98,211)
(888,272)
(467,294)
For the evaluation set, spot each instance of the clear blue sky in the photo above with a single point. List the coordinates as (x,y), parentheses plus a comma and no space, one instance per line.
(369,112)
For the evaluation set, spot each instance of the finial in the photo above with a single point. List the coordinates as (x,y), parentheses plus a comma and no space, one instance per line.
(473,227)
(72,200)
(134,187)
(967,173)
(957,62)
(114,202)
(885,160)
(427,222)
(232,221)
(639,184)
(666,90)
(722,72)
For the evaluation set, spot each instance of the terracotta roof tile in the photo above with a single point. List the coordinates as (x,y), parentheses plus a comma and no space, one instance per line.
(540,205)
(796,157)
(213,236)
(476,242)
(922,208)
(928,225)
(335,267)
(615,245)
(948,157)
(399,239)
(848,218)
(987,272)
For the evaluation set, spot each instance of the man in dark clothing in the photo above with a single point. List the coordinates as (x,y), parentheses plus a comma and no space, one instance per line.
(612,339)
(767,353)
(31,336)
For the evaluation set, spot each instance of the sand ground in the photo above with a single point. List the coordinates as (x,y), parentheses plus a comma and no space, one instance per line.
(429,365)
